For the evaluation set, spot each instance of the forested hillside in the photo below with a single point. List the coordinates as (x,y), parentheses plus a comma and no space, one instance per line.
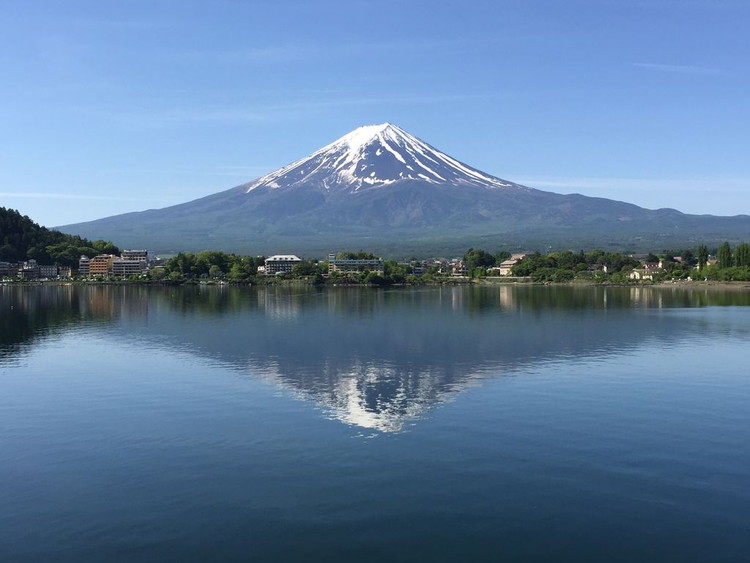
(23,239)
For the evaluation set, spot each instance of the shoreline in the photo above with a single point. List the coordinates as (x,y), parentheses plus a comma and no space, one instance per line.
(677,284)
(723,285)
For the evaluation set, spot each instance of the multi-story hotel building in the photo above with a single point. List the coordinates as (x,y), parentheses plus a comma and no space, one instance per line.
(47,271)
(134,255)
(130,262)
(121,267)
(355,265)
(281,263)
(83,266)
(101,265)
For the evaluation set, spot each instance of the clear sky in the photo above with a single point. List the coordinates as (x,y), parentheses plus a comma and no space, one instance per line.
(108,107)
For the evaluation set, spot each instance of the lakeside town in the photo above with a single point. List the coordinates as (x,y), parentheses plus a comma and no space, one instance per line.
(30,253)
(141,265)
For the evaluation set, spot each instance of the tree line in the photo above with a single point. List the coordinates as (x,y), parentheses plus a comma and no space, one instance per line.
(216,265)
(22,239)
(562,266)
(729,265)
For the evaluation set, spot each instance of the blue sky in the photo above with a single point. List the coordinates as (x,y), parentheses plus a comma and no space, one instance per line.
(110,107)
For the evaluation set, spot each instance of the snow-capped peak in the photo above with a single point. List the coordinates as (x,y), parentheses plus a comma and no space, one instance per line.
(361,135)
(373,156)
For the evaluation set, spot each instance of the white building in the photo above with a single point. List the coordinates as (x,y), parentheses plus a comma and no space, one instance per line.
(281,263)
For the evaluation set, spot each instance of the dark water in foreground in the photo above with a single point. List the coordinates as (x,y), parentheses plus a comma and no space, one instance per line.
(443,424)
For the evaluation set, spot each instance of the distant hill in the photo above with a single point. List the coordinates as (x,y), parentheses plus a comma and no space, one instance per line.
(381,189)
(22,239)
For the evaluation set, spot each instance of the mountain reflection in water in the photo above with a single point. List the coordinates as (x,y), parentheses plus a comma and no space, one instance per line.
(373,358)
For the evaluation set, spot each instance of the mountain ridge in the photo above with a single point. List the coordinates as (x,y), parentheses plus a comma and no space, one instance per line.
(382,188)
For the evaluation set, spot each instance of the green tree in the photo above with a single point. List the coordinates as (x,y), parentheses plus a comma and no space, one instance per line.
(501,256)
(157,274)
(361,255)
(395,272)
(543,274)
(477,258)
(568,260)
(724,256)
(237,272)
(306,268)
(529,264)
(701,254)
(595,256)
(617,262)
(180,265)
(742,255)
(105,247)
(375,279)
(688,257)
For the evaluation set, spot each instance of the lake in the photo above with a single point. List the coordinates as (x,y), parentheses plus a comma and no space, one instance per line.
(494,423)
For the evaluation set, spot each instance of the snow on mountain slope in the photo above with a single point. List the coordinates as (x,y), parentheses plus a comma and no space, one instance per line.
(375,156)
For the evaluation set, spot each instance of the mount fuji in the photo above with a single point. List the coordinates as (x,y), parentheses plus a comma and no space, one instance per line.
(382,189)
(376,156)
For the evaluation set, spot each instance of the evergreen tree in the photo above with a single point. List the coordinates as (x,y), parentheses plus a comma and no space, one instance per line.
(724,255)
(742,254)
(702,255)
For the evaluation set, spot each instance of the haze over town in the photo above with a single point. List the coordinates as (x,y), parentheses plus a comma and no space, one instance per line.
(125,107)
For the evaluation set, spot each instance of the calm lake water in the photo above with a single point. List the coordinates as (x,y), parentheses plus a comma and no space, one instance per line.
(354,424)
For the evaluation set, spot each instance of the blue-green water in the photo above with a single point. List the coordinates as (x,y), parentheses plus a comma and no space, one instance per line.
(442,424)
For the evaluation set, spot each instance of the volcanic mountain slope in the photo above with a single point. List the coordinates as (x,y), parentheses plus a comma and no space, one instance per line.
(381,188)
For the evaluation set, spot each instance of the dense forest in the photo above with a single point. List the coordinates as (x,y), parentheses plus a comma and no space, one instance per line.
(23,239)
